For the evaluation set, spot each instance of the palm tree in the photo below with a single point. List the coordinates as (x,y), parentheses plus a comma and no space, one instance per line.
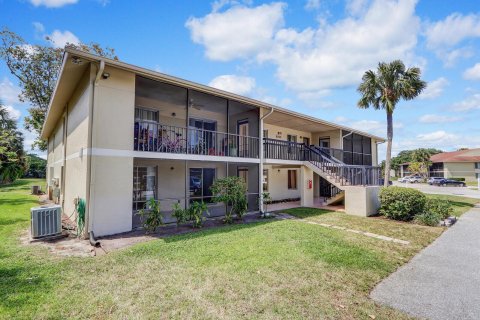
(383,89)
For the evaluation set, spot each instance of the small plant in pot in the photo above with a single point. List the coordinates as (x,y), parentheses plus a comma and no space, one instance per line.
(151,216)
(232,191)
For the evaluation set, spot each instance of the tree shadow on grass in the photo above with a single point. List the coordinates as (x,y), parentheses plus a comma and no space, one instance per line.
(305,212)
(24,184)
(21,286)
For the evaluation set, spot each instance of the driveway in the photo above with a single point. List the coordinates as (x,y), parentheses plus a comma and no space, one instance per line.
(454,191)
(442,281)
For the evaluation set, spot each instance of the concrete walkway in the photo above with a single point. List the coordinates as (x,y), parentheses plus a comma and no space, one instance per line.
(442,281)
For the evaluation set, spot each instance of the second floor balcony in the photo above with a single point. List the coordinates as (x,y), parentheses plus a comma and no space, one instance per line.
(154,137)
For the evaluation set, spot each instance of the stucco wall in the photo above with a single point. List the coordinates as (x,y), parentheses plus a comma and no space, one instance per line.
(278,183)
(76,142)
(111,184)
(273,133)
(460,170)
(362,201)
(334,135)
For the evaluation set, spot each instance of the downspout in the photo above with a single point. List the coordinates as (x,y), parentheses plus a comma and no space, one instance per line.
(261,156)
(88,219)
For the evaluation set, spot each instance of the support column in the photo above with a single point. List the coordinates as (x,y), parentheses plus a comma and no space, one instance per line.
(306,192)
(260,165)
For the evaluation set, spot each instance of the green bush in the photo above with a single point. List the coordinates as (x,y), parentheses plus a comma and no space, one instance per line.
(179,213)
(428,218)
(151,216)
(458,179)
(233,192)
(442,208)
(196,211)
(400,203)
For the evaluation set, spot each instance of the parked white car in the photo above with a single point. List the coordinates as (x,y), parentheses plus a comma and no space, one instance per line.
(415,179)
(411,179)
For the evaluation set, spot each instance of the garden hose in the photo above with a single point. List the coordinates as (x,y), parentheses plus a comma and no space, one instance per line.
(80,206)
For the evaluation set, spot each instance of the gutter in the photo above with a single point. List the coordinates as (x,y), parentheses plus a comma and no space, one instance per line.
(88,220)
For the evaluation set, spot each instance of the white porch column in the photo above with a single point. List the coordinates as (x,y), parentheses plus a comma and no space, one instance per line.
(260,165)
(306,192)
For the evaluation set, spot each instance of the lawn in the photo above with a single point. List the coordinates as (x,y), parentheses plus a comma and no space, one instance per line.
(269,270)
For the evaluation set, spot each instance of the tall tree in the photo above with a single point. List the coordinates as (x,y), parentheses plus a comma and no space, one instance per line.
(37,67)
(12,157)
(383,89)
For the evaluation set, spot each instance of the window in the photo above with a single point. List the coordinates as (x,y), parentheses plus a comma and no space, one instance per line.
(265,133)
(265,180)
(242,173)
(144,186)
(201,179)
(292,179)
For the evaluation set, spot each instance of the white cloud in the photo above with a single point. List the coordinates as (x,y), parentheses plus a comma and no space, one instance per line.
(314,59)
(453,30)
(52,3)
(356,7)
(232,83)
(444,36)
(9,92)
(472,73)
(435,118)
(14,113)
(470,103)
(38,27)
(338,54)
(375,127)
(312,5)
(237,32)
(60,38)
(434,89)
(436,136)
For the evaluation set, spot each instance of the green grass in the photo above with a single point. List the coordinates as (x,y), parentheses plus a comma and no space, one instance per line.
(268,270)
(460,204)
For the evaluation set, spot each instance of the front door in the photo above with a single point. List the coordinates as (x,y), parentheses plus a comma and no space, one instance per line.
(243,138)
(306,141)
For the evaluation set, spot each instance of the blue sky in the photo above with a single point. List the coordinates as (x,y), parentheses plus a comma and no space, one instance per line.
(307,56)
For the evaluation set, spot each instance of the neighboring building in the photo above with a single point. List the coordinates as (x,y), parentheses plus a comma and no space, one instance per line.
(119,135)
(456,164)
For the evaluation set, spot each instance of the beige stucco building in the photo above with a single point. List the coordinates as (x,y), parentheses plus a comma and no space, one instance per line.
(119,135)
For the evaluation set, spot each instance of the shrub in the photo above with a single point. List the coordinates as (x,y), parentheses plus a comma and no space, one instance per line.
(196,211)
(428,218)
(233,192)
(151,216)
(442,208)
(458,179)
(179,213)
(400,203)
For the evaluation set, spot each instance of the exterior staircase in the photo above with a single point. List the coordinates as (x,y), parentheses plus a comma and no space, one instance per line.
(338,173)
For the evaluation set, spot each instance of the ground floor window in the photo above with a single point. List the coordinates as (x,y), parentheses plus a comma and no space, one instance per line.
(292,179)
(144,185)
(201,179)
(242,173)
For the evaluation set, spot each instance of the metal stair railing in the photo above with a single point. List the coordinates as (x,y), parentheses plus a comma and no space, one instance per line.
(342,173)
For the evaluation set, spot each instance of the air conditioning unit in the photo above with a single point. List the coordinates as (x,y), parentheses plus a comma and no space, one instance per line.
(46,221)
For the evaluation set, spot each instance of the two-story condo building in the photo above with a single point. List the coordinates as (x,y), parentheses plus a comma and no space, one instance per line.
(119,135)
